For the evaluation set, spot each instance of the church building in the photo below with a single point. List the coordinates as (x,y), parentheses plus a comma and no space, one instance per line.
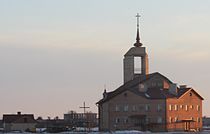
(148,101)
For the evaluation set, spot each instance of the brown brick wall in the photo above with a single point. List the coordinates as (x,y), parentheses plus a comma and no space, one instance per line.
(131,100)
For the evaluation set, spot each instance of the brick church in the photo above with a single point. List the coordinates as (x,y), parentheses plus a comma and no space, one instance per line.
(148,101)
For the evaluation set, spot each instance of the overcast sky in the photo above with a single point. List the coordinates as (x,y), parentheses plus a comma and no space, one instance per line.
(55,54)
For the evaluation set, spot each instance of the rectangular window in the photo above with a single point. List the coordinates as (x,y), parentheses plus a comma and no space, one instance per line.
(191,106)
(134,108)
(147,120)
(125,108)
(160,84)
(153,84)
(170,120)
(170,107)
(117,120)
(181,106)
(125,120)
(159,108)
(159,120)
(147,108)
(137,65)
(198,108)
(117,108)
(198,119)
(186,107)
(175,107)
(141,107)
(175,119)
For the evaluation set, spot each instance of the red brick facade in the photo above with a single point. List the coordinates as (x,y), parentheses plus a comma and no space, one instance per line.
(184,113)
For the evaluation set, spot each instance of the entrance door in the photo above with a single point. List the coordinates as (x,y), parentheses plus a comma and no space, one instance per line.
(187,126)
(139,121)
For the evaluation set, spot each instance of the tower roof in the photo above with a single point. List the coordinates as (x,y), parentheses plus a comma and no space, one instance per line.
(138,43)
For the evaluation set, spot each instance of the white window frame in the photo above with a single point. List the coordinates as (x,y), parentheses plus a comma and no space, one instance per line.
(170,107)
(170,119)
(176,107)
(186,108)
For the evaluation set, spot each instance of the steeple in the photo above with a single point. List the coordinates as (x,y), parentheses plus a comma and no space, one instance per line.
(138,43)
(135,62)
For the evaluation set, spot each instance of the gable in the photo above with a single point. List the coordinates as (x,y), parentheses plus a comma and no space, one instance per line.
(191,93)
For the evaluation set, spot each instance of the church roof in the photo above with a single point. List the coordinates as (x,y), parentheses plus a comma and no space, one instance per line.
(150,93)
(130,85)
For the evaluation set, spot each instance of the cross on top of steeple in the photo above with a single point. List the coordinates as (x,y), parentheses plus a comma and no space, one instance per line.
(138,43)
(138,16)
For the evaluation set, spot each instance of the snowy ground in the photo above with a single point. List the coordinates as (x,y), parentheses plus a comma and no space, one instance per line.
(122,132)
(137,132)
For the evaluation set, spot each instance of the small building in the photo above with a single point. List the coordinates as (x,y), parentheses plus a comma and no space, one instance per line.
(87,119)
(148,101)
(206,121)
(19,122)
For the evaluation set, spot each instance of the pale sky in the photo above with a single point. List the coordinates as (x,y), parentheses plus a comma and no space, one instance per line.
(55,54)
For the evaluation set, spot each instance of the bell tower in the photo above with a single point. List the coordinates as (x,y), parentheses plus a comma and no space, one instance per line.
(135,61)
